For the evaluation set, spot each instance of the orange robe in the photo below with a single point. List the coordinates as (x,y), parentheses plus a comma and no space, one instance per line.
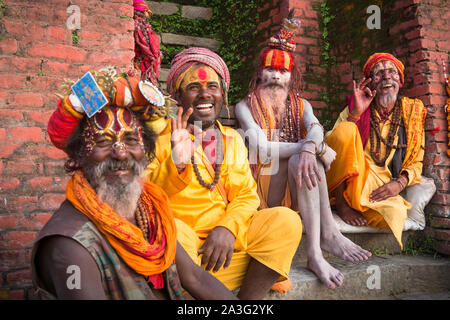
(355,165)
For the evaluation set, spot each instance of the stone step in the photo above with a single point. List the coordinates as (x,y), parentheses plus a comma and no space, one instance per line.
(381,243)
(380,277)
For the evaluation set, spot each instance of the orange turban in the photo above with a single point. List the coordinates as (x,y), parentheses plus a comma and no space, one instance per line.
(278,59)
(377,57)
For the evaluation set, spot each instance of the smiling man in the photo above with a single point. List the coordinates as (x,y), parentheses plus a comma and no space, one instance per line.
(210,186)
(379,140)
(114,237)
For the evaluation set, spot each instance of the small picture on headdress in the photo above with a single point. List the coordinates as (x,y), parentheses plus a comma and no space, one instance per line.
(91,96)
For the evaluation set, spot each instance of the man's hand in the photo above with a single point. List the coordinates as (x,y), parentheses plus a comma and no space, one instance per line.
(390,189)
(307,166)
(182,145)
(217,249)
(328,157)
(363,96)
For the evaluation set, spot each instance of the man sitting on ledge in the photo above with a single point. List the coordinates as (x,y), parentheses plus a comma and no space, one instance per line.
(379,140)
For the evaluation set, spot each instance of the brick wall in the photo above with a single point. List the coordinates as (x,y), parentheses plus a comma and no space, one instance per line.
(37,52)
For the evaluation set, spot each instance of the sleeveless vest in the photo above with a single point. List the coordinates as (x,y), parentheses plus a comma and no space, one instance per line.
(119,281)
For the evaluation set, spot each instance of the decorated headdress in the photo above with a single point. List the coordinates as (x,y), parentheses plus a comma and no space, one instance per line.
(147,51)
(187,58)
(377,57)
(278,54)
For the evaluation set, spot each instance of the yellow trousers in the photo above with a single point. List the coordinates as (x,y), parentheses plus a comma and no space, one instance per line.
(272,239)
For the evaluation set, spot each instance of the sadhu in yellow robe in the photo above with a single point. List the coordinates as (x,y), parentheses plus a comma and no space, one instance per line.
(355,166)
(271,236)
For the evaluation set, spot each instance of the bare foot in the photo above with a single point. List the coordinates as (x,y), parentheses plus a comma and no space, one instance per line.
(349,215)
(329,276)
(342,247)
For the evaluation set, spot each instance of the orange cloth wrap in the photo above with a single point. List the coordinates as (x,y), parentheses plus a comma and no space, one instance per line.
(377,57)
(120,233)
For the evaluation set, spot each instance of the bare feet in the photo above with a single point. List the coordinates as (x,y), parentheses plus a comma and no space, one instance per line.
(342,247)
(349,215)
(329,276)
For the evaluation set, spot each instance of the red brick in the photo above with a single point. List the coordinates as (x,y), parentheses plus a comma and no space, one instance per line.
(438,234)
(35,221)
(27,99)
(7,184)
(9,81)
(18,294)
(41,183)
(19,278)
(440,223)
(8,46)
(17,239)
(8,149)
(26,134)
(41,117)
(19,168)
(58,51)
(12,259)
(442,247)
(51,201)
(19,203)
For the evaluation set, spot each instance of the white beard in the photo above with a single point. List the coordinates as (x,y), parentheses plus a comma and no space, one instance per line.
(387,101)
(122,199)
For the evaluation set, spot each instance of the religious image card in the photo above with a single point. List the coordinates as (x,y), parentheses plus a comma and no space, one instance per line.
(89,93)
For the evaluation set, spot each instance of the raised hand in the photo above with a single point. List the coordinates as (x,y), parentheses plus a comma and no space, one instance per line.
(182,145)
(217,249)
(363,96)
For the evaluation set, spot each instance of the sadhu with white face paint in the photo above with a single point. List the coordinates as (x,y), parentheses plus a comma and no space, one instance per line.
(379,140)
(278,121)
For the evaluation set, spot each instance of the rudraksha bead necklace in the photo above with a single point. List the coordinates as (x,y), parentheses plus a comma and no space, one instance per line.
(376,138)
(219,160)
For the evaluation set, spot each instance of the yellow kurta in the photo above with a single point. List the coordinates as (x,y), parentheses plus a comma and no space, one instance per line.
(356,166)
(199,210)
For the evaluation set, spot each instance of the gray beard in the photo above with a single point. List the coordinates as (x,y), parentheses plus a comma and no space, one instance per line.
(123,199)
(387,101)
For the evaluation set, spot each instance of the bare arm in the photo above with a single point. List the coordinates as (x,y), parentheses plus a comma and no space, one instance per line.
(257,138)
(198,282)
(54,259)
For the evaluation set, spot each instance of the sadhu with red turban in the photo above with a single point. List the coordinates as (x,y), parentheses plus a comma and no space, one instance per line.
(379,139)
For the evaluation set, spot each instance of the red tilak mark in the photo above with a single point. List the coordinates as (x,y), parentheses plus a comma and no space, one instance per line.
(434,131)
(201,74)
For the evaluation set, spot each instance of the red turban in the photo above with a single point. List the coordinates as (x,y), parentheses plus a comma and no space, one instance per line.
(377,57)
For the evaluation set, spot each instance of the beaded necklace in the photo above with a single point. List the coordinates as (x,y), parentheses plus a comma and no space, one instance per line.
(290,124)
(375,136)
(145,220)
(219,160)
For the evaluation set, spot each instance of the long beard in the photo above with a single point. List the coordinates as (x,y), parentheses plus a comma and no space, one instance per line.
(122,198)
(387,101)
(275,97)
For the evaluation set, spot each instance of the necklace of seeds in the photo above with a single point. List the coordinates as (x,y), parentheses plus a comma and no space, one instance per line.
(376,139)
(219,160)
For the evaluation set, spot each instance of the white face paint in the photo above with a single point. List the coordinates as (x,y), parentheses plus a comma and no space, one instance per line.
(271,77)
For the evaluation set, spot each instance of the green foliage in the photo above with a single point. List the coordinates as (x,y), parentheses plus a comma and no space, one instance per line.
(3,7)
(75,37)
(233,24)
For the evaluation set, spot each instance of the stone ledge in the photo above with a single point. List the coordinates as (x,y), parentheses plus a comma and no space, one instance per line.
(176,39)
(397,274)
(163,8)
(192,12)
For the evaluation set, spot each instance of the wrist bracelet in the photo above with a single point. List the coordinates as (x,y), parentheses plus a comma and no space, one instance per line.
(323,150)
(307,151)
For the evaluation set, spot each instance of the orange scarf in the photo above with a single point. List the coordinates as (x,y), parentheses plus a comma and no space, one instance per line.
(148,259)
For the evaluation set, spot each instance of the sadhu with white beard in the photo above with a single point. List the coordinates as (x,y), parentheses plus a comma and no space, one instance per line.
(114,237)
(379,140)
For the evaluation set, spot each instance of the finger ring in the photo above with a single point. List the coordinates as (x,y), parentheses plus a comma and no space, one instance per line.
(357,89)
(306,175)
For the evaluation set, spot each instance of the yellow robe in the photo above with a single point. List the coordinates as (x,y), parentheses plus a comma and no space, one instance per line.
(270,236)
(355,165)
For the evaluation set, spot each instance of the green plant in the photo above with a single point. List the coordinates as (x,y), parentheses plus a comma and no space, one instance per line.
(233,24)
(3,7)
(75,37)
